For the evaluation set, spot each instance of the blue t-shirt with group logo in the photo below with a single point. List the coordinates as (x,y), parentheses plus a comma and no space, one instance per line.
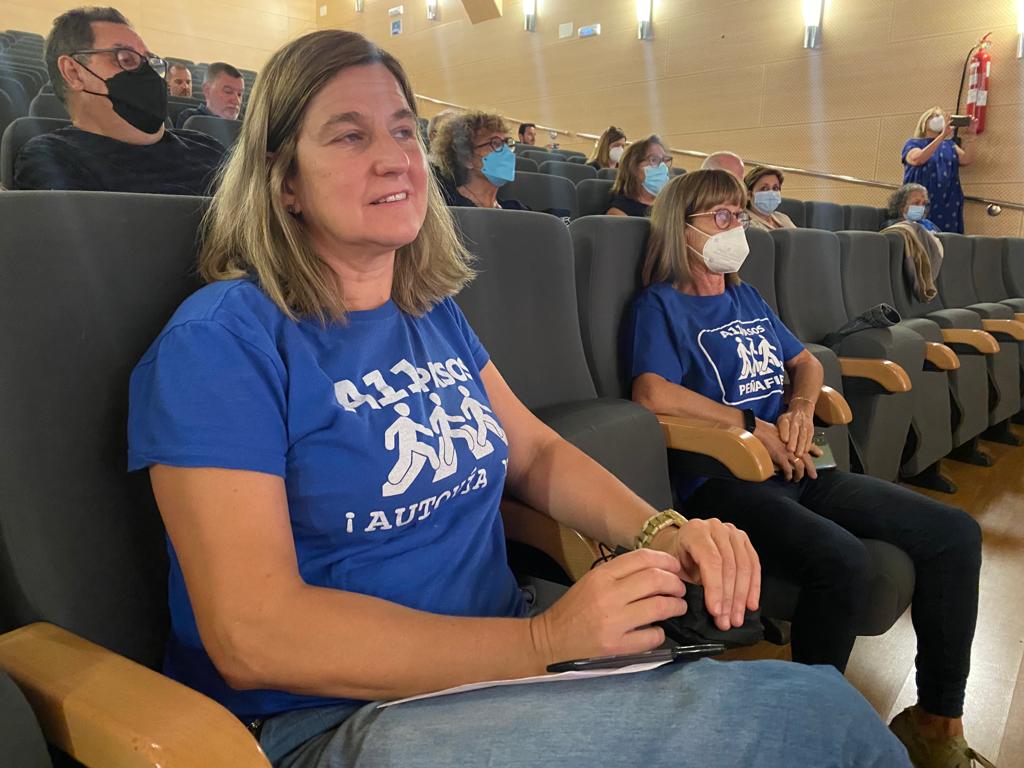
(730,348)
(392,458)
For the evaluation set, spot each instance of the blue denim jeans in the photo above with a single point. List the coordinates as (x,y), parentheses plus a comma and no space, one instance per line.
(710,714)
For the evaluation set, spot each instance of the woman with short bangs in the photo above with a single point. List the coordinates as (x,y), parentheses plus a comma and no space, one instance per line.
(705,345)
(764,190)
(643,171)
(328,443)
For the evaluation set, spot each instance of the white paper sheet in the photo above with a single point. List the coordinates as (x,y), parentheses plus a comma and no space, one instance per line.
(577,675)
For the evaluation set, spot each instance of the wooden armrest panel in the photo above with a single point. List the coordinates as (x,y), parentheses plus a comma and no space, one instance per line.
(888,375)
(1008,328)
(981,341)
(738,450)
(107,711)
(1019,317)
(832,407)
(941,356)
(573,551)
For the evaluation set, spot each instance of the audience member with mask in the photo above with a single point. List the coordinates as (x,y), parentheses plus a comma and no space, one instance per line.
(764,190)
(909,203)
(609,149)
(115,92)
(474,150)
(643,171)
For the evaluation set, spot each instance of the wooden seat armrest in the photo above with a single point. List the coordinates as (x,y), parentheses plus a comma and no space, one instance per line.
(888,375)
(832,407)
(1019,317)
(1010,330)
(106,710)
(940,356)
(573,551)
(736,449)
(980,341)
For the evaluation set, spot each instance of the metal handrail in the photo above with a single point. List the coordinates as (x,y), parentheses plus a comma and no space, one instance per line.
(786,168)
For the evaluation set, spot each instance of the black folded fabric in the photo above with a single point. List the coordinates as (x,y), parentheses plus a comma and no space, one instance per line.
(879,316)
(698,626)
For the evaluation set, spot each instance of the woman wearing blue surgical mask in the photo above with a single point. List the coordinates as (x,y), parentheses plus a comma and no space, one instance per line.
(932,159)
(764,190)
(474,150)
(910,203)
(644,169)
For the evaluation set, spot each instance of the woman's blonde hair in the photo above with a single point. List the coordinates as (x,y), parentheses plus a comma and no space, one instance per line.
(626,182)
(668,260)
(922,122)
(453,146)
(603,147)
(248,232)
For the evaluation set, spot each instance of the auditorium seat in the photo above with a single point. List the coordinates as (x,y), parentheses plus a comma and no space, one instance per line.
(609,253)
(874,362)
(608,173)
(595,196)
(955,282)
(577,159)
(568,153)
(525,164)
(542,192)
(223,130)
(822,215)
(14,138)
(865,279)
(21,740)
(16,93)
(794,209)
(537,155)
(987,268)
(865,218)
(574,172)
(7,112)
(1013,265)
(48,105)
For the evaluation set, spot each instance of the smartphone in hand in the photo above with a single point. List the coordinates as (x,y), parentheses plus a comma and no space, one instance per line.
(676,653)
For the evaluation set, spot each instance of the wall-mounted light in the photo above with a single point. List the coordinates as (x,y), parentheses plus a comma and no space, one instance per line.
(814,10)
(530,15)
(431,10)
(359,6)
(644,14)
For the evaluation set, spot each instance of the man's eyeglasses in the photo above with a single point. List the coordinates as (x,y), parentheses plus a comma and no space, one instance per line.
(496,144)
(655,160)
(129,59)
(724,217)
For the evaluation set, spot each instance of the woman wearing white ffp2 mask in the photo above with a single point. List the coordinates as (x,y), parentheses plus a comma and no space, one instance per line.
(764,190)
(608,150)
(932,160)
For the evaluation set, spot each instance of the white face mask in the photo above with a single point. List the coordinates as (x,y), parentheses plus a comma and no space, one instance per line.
(615,153)
(936,124)
(725,252)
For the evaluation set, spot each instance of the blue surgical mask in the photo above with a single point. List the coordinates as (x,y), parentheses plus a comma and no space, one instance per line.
(655,178)
(915,212)
(767,200)
(500,167)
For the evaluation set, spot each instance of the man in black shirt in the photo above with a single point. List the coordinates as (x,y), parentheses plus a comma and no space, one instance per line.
(115,92)
(223,88)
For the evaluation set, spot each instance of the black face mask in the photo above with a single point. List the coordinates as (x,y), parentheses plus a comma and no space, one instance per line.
(139,97)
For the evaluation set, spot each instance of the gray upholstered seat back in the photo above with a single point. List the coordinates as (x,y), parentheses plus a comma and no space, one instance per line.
(987,269)
(956,278)
(595,196)
(88,281)
(864,218)
(525,164)
(574,172)
(48,105)
(223,130)
(865,271)
(15,136)
(822,215)
(609,256)
(759,267)
(537,155)
(608,173)
(808,282)
(542,192)
(21,740)
(523,303)
(1013,266)
(794,209)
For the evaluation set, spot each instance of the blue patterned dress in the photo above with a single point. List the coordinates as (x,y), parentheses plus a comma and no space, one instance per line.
(941,177)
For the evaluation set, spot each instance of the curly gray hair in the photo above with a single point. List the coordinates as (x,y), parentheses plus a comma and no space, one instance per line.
(898,199)
(452,147)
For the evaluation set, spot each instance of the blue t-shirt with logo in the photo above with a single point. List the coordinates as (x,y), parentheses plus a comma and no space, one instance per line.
(730,348)
(392,458)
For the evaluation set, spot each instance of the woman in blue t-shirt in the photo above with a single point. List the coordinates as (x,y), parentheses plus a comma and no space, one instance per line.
(328,443)
(933,160)
(705,345)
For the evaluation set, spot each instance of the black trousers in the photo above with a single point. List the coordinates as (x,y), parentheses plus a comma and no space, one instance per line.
(809,532)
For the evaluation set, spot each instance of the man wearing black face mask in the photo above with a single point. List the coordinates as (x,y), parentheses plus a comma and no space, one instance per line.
(115,92)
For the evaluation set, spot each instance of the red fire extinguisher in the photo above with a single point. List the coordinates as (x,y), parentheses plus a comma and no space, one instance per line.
(979,72)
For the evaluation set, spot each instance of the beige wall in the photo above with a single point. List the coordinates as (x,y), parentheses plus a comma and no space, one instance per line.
(242,32)
(732,74)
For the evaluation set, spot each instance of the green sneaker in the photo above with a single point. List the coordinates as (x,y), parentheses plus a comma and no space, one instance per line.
(934,753)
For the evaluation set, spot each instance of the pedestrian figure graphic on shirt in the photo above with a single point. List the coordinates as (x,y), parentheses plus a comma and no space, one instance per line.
(478,413)
(747,357)
(769,361)
(402,436)
(441,423)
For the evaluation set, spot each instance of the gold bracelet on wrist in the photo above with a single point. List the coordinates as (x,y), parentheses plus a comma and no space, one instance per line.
(655,524)
(805,399)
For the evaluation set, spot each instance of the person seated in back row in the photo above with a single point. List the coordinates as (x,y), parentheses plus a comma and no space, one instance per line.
(764,194)
(474,150)
(223,89)
(909,203)
(527,134)
(115,92)
(334,523)
(724,161)
(702,344)
(179,80)
(643,171)
(609,149)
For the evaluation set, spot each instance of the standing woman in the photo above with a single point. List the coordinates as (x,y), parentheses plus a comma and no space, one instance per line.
(608,150)
(933,160)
